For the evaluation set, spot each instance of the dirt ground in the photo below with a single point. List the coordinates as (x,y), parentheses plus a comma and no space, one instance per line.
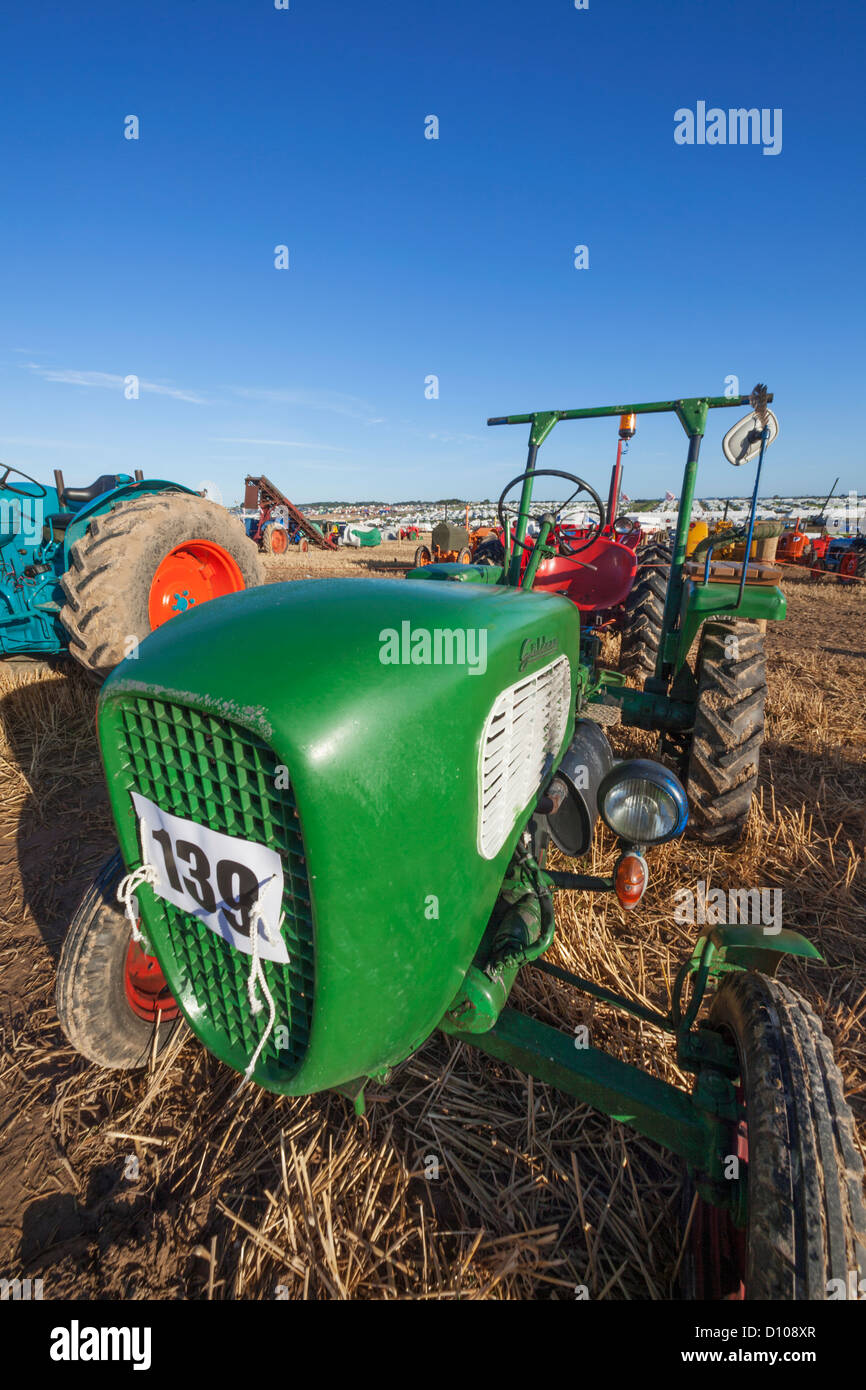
(173,1183)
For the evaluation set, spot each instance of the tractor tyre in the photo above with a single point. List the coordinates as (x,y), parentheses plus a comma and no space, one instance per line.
(805,1237)
(112,1000)
(817,568)
(464,556)
(275,539)
(423,556)
(852,567)
(725,746)
(141,563)
(644,610)
(490,551)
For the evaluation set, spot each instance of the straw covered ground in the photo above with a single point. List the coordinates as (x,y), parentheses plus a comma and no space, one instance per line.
(464,1180)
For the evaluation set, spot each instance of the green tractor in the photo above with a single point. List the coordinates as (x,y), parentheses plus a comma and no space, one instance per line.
(313,925)
(709,713)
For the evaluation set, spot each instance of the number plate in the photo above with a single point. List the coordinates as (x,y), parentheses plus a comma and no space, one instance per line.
(214,877)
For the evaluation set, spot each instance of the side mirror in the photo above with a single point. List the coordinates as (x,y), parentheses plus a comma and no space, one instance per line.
(742,443)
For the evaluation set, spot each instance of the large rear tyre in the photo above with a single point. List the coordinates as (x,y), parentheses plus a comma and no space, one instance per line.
(852,567)
(805,1236)
(111,998)
(644,610)
(142,562)
(728,732)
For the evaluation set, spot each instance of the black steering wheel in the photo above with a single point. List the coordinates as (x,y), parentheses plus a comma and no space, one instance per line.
(20,492)
(503,509)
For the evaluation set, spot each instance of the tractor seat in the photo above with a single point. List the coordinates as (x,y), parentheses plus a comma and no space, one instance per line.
(729,572)
(87,494)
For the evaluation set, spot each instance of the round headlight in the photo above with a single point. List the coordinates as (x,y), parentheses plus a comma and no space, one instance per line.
(642,802)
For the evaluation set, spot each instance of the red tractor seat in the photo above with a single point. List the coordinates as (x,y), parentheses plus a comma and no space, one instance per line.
(604,586)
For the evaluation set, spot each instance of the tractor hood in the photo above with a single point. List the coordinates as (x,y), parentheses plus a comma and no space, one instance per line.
(387,740)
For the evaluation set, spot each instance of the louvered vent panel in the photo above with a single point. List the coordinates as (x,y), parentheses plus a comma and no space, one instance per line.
(522,736)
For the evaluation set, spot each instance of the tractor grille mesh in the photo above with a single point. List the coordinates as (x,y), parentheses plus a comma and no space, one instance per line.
(523,734)
(213,772)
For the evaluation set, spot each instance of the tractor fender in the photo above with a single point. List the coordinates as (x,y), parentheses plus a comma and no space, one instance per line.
(106,500)
(754,948)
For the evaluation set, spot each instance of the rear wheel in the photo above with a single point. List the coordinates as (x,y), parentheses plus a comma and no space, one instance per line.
(852,567)
(805,1236)
(490,551)
(728,732)
(817,568)
(644,611)
(275,540)
(111,996)
(143,562)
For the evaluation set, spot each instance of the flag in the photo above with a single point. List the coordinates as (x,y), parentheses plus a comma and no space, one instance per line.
(669,497)
(624,497)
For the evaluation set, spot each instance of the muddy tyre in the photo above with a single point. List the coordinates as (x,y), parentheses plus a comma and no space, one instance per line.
(644,611)
(806,1226)
(126,565)
(423,556)
(112,1001)
(728,733)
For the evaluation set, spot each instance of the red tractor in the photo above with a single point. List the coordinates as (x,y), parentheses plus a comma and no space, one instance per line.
(597,565)
(797,548)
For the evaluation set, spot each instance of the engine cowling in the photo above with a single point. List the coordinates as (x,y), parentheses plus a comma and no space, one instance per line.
(388,740)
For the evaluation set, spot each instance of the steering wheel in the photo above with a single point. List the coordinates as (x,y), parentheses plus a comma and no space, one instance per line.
(20,492)
(503,509)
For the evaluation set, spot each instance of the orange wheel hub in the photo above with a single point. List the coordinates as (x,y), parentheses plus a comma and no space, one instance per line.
(279,541)
(191,574)
(147,993)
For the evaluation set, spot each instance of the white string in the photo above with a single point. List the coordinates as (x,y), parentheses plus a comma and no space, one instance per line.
(257,975)
(126,895)
(146,873)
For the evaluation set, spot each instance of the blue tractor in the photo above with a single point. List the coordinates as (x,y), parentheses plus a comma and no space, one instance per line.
(92,570)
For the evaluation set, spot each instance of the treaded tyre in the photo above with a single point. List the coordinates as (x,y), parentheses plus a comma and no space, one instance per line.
(275,539)
(110,996)
(854,567)
(806,1216)
(728,732)
(491,551)
(423,556)
(129,561)
(644,610)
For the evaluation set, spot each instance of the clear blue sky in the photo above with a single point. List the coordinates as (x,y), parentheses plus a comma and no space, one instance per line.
(411,257)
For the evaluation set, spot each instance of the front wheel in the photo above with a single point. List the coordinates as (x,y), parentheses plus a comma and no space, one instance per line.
(423,556)
(112,999)
(805,1234)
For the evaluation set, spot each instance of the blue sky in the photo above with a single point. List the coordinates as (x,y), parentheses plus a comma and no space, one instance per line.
(412,257)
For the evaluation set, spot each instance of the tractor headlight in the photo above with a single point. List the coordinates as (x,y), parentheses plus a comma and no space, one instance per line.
(642,802)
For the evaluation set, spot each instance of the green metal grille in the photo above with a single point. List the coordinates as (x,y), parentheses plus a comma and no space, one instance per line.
(215,773)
